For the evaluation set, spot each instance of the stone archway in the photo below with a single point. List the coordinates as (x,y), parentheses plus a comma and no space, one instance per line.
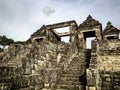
(71,32)
(90,33)
(89,28)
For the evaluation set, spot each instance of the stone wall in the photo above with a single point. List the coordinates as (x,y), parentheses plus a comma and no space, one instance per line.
(35,66)
(104,69)
(92,70)
(109,64)
(44,34)
(39,63)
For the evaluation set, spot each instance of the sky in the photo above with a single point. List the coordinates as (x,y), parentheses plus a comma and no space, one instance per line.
(20,18)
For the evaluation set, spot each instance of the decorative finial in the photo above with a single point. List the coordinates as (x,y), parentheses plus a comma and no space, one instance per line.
(108,23)
(89,16)
(43,25)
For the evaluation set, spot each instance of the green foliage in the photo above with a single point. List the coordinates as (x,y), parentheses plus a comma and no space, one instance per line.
(1,50)
(4,41)
(19,42)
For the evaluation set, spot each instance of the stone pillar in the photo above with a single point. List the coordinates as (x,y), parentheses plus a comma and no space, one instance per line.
(58,58)
(81,42)
(72,34)
(47,34)
(92,71)
(32,40)
(98,33)
(26,64)
(47,83)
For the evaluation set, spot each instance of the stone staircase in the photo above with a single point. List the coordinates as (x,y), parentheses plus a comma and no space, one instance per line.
(25,69)
(14,54)
(69,79)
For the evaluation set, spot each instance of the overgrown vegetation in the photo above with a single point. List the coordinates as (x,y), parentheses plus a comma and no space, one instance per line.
(19,42)
(5,41)
(1,50)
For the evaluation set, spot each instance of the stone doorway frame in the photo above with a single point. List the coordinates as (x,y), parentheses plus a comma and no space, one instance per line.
(82,36)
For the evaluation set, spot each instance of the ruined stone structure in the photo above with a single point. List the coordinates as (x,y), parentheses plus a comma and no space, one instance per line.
(44,62)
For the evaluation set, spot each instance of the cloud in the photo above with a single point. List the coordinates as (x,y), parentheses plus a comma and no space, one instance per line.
(48,10)
(20,18)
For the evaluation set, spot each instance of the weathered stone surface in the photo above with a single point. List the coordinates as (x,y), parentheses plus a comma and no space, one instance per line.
(89,22)
(5,86)
(110,30)
(44,62)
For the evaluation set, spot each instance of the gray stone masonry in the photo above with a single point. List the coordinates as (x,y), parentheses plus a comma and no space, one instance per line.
(44,62)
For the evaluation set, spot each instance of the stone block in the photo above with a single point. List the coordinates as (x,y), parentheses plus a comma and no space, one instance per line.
(5,86)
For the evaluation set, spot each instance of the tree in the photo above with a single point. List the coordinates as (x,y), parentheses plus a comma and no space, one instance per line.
(19,42)
(4,41)
(1,50)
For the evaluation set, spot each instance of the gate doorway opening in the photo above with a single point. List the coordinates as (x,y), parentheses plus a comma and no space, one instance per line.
(88,42)
(65,39)
(63,29)
(64,33)
(88,37)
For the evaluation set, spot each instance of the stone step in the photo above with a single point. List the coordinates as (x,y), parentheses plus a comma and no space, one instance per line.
(37,87)
(68,87)
(69,82)
(61,85)
(73,69)
(66,82)
(5,86)
(66,79)
(71,72)
(62,89)
(77,62)
(23,82)
(75,83)
(79,58)
(76,68)
(67,74)
(12,62)
(70,75)
(71,87)
(27,88)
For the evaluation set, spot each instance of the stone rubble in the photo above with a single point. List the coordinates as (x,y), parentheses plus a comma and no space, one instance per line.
(44,62)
